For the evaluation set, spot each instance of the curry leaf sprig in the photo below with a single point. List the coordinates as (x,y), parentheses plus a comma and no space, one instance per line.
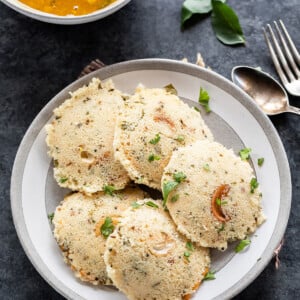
(224,20)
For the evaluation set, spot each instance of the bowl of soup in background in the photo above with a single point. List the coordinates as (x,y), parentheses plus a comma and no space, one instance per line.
(69,13)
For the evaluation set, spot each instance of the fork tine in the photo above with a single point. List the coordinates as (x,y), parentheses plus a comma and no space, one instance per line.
(280,55)
(287,51)
(275,59)
(291,43)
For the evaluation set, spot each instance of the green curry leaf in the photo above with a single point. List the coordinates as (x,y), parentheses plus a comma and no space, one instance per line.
(226,24)
(191,7)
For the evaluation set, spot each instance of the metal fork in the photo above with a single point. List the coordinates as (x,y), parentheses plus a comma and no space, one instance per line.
(287,61)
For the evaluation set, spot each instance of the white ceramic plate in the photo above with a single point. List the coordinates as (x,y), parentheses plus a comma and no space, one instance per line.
(66,20)
(235,121)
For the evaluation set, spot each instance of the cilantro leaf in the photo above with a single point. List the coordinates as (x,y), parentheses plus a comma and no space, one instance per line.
(107,227)
(167,188)
(226,24)
(253,185)
(189,246)
(179,177)
(180,138)
(245,153)
(171,89)
(221,228)
(63,179)
(186,255)
(109,190)
(206,167)
(50,217)
(151,204)
(260,161)
(153,157)
(219,202)
(209,276)
(175,198)
(155,140)
(242,245)
(204,99)
(135,205)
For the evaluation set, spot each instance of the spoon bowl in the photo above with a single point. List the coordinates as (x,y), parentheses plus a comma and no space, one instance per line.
(267,92)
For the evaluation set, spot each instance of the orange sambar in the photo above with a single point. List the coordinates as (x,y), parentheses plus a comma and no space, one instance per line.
(67,7)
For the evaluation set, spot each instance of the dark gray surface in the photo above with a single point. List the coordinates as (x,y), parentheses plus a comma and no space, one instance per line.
(37,60)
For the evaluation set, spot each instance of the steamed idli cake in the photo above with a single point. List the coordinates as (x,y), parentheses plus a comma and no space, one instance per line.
(153,123)
(81,225)
(209,195)
(80,139)
(147,258)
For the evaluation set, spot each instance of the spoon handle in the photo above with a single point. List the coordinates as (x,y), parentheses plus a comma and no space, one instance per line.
(294,109)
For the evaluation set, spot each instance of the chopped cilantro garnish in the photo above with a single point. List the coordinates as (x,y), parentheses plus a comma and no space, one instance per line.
(187,254)
(180,138)
(242,245)
(189,246)
(50,217)
(209,276)
(175,198)
(245,153)
(109,190)
(219,202)
(221,228)
(153,157)
(135,205)
(179,177)
(63,179)
(155,140)
(107,227)
(253,184)
(206,167)
(204,99)
(167,188)
(260,161)
(171,89)
(151,204)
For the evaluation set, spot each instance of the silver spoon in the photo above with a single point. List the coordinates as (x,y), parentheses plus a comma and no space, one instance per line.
(267,92)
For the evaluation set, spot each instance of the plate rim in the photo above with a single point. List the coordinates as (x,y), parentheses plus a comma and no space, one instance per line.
(164,65)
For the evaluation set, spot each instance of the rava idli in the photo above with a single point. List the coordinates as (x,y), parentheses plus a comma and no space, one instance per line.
(80,139)
(147,258)
(153,123)
(211,194)
(81,225)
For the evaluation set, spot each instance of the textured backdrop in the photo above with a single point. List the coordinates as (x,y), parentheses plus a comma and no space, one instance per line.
(37,60)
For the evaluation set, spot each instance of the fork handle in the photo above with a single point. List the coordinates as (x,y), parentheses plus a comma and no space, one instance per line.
(294,109)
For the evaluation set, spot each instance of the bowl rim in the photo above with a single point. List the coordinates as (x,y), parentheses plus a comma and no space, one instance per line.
(64,20)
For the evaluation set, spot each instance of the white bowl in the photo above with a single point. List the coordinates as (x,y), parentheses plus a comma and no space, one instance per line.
(66,20)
